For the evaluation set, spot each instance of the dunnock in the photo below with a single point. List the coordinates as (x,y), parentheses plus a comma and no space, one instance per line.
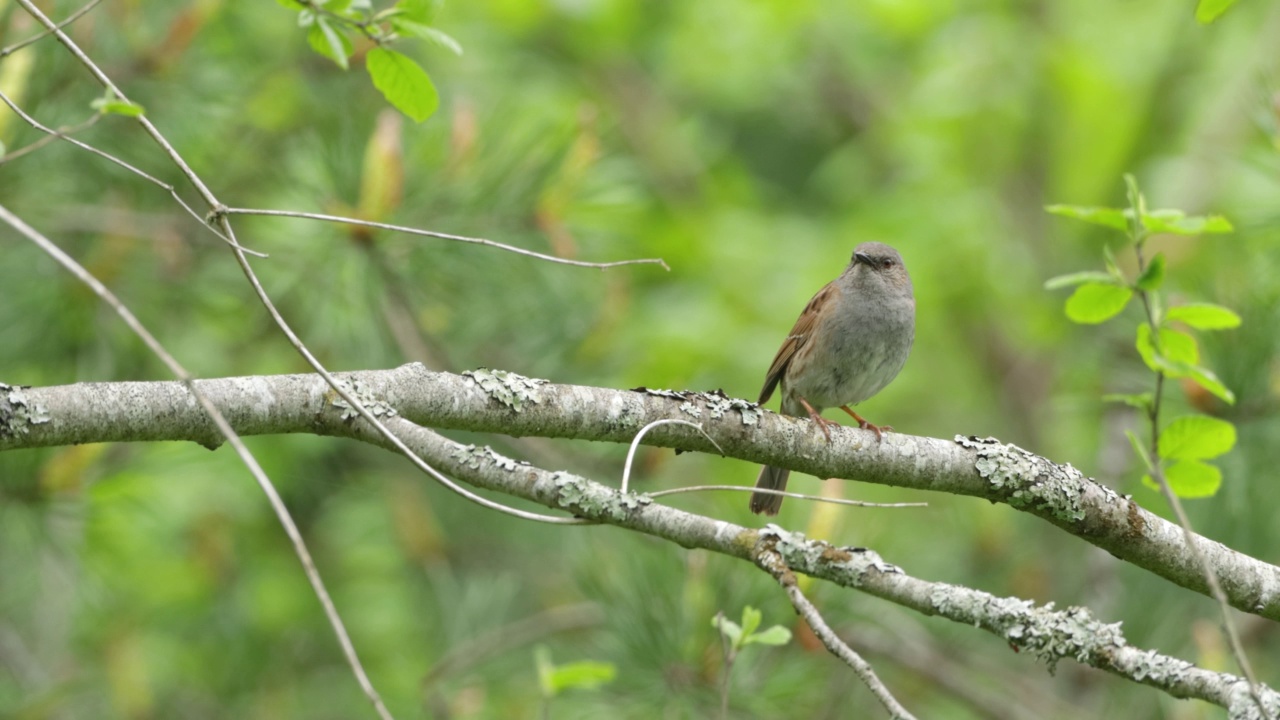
(851,340)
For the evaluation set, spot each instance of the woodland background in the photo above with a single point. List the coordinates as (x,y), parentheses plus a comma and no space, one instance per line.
(750,145)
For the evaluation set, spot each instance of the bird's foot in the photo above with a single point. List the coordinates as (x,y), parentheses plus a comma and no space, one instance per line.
(824,424)
(879,430)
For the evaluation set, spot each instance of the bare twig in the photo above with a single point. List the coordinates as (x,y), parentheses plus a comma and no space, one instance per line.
(771,560)
(443,236)
(173,192)
(264,482)
(1157,473)
(6,52)
(631,452)
(228,233)
(60,133)
(815,498)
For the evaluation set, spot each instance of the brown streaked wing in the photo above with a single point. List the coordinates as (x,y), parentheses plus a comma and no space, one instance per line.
(795,340)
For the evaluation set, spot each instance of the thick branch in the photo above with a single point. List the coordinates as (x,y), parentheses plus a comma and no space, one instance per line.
(491,401)
(1051,635)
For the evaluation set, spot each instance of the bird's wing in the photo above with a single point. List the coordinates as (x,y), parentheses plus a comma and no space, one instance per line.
(795,340)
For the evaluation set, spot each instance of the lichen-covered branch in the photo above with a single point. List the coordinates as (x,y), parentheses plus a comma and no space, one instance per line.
(771,560)
(494,401)
(1043,632)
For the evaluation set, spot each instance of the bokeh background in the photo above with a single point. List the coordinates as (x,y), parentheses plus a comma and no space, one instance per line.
(749,144)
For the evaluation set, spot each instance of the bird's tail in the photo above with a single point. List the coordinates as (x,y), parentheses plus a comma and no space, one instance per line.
(771,478)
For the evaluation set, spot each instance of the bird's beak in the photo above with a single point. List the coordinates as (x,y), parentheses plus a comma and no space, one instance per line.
(863,258)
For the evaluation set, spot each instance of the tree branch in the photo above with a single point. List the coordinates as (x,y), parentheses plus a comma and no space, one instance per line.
(1048,634)
(493,401)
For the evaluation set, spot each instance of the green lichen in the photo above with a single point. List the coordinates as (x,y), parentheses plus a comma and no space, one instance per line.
(364,395)
(508,388)
(847,564)
(1028,481)
(593,501)
(17,412)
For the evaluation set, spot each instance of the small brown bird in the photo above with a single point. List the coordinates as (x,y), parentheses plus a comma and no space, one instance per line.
(851,340)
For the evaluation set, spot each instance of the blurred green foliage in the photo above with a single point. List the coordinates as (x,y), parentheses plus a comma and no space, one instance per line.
(751,145)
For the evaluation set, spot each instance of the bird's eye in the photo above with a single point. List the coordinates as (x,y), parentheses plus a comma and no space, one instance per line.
(886,263)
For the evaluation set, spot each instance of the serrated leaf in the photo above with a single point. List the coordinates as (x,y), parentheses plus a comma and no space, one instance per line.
(329,41)
(1093,303)
(1209,10)
(1070,279)
(751,618)
(1104,216)
(1197,437)
(416,29)
(403,83)
(1176,222)
(776,635)
(1204,316)
(1193,479)
(1152,275)
(1142,401)
(1140,450)
(581,675)
(1176,353)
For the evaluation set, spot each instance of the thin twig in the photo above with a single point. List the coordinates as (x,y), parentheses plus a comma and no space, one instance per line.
(173,192)
(784,493)
(61,132)
(218,215)
(635,443)
(772,562)
(6,52)
(443,236)
(264,482)
(1157,473)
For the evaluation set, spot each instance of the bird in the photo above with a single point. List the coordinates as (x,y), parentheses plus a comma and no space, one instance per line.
(851,340)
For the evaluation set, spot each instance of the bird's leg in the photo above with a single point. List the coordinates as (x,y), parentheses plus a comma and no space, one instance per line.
(822,422)
(879,430)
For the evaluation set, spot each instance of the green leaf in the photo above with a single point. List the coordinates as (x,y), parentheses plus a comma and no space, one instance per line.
(581,675)
(1152,275)
(117,107)
(1207,380)
(1193,479)
(426,32)
(1209,10)
(1062,281)
(776,635)
(751,618)
(1106,217)
(1142,401)
(728,628)
(1093,303)
(403,83)
(329,41)
(419,11)
(545,670)
(1204,316)
(1197,437)
(1176,222)
(1177,351)
(1113,267)
(1140,449)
